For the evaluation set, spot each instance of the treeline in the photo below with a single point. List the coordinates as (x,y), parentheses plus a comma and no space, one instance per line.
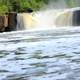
(23,5)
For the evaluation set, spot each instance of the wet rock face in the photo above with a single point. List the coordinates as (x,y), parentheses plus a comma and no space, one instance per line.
(29,10)
(3,22)
(8,22)
(12,22)
(76,18)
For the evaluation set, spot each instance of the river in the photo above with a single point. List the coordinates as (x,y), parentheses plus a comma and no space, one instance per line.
(40,55)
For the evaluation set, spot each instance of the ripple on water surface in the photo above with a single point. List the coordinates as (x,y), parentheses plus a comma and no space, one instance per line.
(41,59)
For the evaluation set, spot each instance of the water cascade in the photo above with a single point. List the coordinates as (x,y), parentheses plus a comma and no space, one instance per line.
(47,19)
(24,21)
(64,19)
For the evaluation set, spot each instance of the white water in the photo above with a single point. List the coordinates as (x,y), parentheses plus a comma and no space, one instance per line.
(44,19)
(47,19)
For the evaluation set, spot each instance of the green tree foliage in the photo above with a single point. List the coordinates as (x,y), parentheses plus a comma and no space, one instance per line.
(3,9)
(23,5)
(3,6)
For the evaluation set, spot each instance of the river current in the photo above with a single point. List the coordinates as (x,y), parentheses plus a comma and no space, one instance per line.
(40,55)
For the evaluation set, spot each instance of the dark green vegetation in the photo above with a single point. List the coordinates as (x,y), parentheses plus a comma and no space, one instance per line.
(23,5)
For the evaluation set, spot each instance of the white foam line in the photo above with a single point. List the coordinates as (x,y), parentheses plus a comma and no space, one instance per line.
(39,30)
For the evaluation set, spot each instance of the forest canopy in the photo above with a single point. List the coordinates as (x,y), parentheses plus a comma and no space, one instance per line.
(23,5)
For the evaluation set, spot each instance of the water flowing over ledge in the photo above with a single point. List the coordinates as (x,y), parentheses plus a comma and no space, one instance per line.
(47,19)
(50,18)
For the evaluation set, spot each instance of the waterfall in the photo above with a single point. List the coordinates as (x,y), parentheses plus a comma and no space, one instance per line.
(46,19)
(25,21)
(64,19)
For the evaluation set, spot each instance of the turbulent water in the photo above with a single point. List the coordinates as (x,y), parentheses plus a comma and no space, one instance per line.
(40,55)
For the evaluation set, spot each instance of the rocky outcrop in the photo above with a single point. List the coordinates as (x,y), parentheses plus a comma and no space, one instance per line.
(12,21)
(76,18)
(8,22)
(3,22)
